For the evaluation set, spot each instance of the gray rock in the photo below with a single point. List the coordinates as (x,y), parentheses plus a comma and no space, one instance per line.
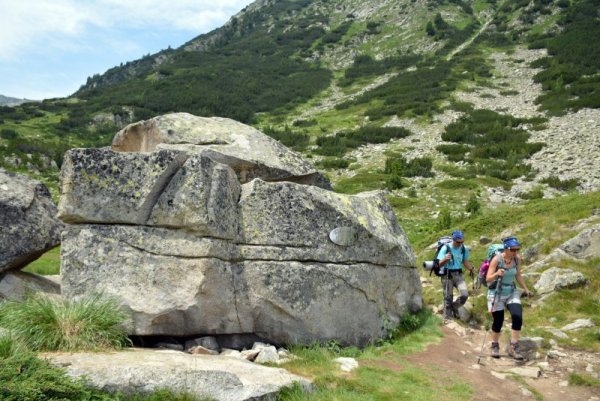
(249,152)
(557,333)
(556,278)
(16,285)
(586,245)
(347,364)
(267,355)
(289,219)
(578,324)
(218,378)
(207,342)
(187,250)
(28,226)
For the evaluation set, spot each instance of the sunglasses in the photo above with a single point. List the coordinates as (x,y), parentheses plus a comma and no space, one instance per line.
(459,242)
(514,249)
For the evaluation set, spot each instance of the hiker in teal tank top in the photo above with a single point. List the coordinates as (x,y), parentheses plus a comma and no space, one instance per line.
(502,276)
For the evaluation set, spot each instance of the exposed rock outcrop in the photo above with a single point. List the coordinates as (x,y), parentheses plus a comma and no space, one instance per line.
(221,379)
(28,226)
(190,246)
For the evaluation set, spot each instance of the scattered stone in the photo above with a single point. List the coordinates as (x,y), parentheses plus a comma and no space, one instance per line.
(207,342)
(527,371)
(251,354)
(554,354)
(578,324)
(586,245)
(200,350)
(556,278)
(544,366)
(347,364)
(564,383)
(233,353)
(476,366)
(267,355)
(557,333)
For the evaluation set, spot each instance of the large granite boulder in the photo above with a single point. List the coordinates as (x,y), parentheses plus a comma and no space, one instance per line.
(249,152)
(28,223)
(189,248)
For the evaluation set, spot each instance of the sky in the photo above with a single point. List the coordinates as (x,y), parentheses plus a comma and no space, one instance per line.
(48,48)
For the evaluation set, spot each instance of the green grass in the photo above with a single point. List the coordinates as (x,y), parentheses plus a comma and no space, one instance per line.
(47,324)
(580,379)
(384,374)
(47,264)
(25,377)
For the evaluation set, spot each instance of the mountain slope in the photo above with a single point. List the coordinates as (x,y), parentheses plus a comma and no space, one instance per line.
(328,76)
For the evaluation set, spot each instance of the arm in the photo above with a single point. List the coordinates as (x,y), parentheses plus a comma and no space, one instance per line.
(520,278)
(493,271)
(446,257)
(468,265)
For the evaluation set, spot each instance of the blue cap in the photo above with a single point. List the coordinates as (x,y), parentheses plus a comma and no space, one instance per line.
(456,235)
(511,242)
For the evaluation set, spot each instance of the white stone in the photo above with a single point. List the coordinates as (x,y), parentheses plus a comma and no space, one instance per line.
(347,364)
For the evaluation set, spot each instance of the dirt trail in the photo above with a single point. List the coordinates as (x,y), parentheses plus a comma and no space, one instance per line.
(458,353)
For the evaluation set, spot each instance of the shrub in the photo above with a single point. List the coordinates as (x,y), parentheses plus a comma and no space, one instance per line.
(473,205)
(333,163)
(562,185)
(43,323)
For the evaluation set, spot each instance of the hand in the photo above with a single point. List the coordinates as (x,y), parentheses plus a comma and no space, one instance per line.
(500,273)
(448,256)
(527,294)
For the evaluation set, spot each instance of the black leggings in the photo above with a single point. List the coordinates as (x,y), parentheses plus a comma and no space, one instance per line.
(516,312)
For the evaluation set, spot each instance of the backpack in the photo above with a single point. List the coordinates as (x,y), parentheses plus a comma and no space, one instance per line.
(437,269)
(492,251)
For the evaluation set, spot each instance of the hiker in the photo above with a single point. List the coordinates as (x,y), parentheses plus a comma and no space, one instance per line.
(506,268)
(453,257)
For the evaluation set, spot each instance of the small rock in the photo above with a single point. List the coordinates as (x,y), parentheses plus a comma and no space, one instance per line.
(476,366)
(347,364)
(267,355)
(527,371)
(200,350)
(233,353)
(554,354)
(544,366)
(563,383)
(558,333)
(578,324)
(250,355)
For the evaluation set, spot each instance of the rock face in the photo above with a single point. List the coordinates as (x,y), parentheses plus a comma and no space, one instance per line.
(221,379)
(249,152)
(556,278)
(28,226)
(190,248)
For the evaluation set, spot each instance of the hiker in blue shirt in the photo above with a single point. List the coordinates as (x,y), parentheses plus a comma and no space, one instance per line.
(504,271)
(453,257)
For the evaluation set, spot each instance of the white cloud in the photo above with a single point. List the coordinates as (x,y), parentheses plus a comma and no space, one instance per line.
(65,23)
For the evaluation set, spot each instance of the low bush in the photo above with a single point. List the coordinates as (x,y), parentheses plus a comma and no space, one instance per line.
(562,185)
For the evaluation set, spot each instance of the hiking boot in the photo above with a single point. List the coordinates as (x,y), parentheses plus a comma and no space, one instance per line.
(495,350)
(514,352)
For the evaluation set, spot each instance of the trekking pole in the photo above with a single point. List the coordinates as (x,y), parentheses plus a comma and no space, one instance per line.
(487,326)
(446,292)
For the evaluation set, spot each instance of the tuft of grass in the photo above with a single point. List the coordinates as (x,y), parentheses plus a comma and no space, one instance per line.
(582,379)
(47,324)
